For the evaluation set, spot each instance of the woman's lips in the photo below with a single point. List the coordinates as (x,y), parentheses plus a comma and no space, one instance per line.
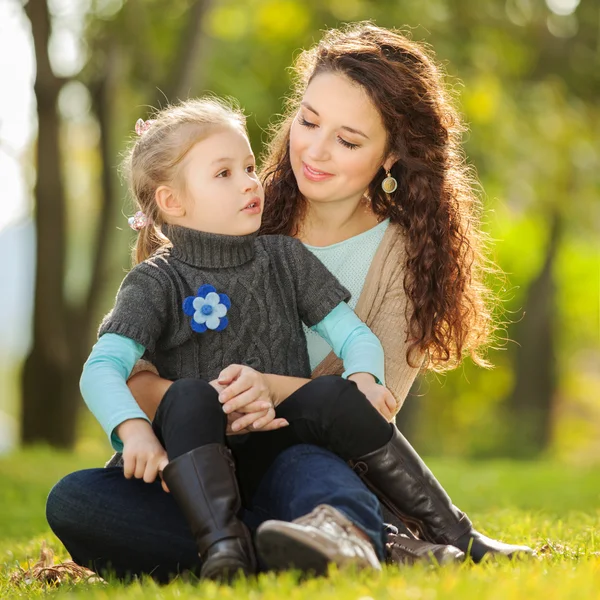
(314,174)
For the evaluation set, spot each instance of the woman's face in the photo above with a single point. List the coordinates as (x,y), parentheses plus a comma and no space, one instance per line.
(337,141)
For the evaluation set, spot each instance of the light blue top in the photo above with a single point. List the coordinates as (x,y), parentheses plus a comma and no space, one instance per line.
(349,261)
(104,379)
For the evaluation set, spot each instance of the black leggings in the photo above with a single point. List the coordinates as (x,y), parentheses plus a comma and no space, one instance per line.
(328,411)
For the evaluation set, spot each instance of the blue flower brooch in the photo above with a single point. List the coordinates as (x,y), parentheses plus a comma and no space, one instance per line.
(207,309)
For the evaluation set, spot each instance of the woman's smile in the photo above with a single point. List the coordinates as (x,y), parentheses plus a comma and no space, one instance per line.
(313,174)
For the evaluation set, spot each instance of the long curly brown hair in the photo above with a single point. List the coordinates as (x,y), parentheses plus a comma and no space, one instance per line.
(436,204)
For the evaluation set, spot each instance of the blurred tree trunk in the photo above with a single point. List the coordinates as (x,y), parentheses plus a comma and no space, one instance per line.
(46,413)
(61,331)
(530,403)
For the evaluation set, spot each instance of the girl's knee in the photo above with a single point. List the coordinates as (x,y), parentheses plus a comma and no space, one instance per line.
(337,392)
(190,397)
(192,392)
(325,401)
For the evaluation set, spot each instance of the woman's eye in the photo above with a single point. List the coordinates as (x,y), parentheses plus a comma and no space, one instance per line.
(250,169)
(347,144)
(306,123)
(224,173)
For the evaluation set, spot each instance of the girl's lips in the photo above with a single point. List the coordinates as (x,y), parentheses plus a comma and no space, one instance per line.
(314,174)
(253,207)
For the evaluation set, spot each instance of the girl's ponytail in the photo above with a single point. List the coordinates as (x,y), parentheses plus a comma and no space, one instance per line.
(149,240)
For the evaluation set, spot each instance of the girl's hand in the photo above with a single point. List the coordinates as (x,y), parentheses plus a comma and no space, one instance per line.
(238,423)
(247,400)
(143,455)
(378,395)
(246,390)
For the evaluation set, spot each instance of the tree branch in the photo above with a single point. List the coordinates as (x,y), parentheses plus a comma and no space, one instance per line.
(186,58)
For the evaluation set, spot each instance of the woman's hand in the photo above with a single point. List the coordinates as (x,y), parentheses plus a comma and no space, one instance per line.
(246,396)
(143,455)
(378,395)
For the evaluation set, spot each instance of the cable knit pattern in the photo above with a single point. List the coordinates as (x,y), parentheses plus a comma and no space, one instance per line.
(383,306)
(274,284)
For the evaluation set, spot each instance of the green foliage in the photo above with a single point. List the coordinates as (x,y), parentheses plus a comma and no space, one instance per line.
(526,81)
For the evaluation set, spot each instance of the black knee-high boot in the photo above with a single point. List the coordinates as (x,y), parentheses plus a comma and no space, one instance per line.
(404,484)
(204,486)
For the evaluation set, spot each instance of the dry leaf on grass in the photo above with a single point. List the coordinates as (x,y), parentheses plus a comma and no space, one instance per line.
(45,571)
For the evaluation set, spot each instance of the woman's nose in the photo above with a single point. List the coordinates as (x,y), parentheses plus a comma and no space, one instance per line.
(319,149)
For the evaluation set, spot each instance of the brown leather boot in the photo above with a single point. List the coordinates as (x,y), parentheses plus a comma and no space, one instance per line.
(404,550)
(204,486)
(404,484)
(310,543)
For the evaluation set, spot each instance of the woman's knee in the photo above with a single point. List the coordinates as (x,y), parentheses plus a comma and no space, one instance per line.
(69,501)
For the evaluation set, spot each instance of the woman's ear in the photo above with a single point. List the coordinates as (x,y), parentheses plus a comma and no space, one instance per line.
(169,202)
(389,162)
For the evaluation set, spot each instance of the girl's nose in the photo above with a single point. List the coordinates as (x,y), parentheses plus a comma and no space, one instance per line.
(250,183)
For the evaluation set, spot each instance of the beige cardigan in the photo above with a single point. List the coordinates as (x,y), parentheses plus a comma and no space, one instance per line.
(382,306)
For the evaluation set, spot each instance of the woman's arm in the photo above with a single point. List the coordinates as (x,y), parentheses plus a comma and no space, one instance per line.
(148,389)
(282,386)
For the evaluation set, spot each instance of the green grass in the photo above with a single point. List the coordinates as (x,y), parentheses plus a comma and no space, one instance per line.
(543,504)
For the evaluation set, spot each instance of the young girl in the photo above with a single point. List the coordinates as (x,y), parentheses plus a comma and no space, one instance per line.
(218,295)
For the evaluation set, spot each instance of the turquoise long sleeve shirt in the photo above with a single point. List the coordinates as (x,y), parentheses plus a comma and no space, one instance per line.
(104,379)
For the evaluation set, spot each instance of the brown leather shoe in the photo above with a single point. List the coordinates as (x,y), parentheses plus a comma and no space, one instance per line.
(310,543)
(402,550)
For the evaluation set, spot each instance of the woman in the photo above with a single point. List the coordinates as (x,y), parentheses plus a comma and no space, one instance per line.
(370,108)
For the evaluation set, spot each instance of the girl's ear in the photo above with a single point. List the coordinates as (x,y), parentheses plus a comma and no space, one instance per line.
(169,202)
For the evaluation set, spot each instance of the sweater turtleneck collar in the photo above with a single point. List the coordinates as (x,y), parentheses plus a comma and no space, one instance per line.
(209,250)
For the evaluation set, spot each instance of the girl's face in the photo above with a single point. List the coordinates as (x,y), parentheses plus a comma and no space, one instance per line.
(221,191)
(337,141)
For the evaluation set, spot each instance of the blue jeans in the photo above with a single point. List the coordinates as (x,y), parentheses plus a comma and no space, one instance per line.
(131,528)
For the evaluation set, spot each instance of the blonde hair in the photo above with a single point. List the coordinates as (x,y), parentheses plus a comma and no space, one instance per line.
(155,157)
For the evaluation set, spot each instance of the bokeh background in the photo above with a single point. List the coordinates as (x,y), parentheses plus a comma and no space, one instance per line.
(76,74)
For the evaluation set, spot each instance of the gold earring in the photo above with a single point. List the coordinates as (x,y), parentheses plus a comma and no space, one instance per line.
(389,185)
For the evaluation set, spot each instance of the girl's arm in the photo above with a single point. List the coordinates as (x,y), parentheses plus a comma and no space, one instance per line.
(362,354)
(353,342)
(350,339)
(103,383)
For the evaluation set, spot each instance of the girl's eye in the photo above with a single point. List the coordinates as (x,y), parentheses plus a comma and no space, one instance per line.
(347,144)
(250,169)
(224,173)
(305,123)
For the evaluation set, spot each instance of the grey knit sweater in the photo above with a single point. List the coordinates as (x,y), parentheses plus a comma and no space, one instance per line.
(273,283)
